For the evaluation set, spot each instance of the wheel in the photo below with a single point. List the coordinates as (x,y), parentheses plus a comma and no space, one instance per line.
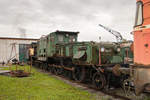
(79,74)
(38,65)
(70,76)
(58,71)
(47,67)
(51,69)
(99,80)
(127,86)
(67,74)
(44,66)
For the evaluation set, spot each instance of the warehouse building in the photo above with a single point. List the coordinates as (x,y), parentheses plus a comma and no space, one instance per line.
(11,48)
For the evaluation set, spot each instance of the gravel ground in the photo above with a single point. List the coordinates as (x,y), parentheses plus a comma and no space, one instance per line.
(99,95)
(102,96)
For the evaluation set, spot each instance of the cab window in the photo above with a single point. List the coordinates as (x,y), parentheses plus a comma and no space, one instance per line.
(60,38)
(139,14)
(72,39)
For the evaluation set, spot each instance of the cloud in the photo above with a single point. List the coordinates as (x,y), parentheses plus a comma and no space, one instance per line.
(40,17)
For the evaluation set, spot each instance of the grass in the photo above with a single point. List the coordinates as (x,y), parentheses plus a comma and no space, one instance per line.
(39,86)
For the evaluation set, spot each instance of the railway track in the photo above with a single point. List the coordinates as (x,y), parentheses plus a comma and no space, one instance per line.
(88,87)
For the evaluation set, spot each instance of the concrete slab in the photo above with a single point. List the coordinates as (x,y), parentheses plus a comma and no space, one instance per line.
(4,66)
(4,71)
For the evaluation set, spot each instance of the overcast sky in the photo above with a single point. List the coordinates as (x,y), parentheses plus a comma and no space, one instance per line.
(40,17)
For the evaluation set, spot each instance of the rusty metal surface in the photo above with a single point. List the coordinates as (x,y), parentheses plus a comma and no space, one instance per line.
(116,70)
(19,73)
(67,68)
(58,66)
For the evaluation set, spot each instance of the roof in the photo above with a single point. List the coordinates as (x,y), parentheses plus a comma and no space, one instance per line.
(66,32)
(11,38)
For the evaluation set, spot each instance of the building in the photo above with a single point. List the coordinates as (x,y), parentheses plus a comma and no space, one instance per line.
(13,48)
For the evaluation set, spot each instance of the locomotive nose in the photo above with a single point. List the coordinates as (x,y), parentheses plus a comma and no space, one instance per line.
(147,88)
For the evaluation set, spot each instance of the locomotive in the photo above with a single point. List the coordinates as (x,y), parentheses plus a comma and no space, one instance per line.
(141,67)
(104,64)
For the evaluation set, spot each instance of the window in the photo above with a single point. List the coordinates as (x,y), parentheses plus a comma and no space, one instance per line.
(72,39)
(44,50)
(60,38)
(139,14)
(51,38)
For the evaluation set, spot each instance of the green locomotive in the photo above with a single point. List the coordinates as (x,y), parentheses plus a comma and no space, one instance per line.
(104,63)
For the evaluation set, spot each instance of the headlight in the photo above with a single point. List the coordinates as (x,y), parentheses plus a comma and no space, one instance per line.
(118,49)
(102,49)
(67,35)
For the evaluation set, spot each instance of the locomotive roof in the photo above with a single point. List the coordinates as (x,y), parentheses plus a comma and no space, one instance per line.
(66,32)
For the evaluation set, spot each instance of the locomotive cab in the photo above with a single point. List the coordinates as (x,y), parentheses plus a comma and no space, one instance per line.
(56,42)
(141,67)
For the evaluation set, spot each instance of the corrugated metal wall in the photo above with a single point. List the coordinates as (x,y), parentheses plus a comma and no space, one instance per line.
(6,48)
